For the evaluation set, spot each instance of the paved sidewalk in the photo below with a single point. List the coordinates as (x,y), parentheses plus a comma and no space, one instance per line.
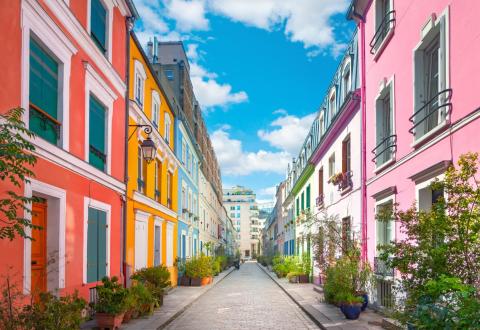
(325,315)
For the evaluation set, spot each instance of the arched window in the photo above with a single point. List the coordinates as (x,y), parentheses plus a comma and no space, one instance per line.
(139,83)
(346,78)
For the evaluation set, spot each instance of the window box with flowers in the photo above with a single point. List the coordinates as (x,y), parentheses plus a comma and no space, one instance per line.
(343,180)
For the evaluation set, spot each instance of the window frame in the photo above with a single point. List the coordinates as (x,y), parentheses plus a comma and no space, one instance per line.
(168,124)
(387,88)
(108,5)
(331,165)
(156,103)
(379,203)
(346,69)
(378,50)
(140,76)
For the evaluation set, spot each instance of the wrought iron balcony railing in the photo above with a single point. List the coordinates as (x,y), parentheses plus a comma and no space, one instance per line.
(380,267)
(46,120)
(387,24)
(384,151)
(425,116)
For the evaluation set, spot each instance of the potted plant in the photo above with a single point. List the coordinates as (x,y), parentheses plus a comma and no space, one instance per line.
(293,277)
(145,301)
(111,303)
(304,276)
(183,279)
(350,305)
(156,279)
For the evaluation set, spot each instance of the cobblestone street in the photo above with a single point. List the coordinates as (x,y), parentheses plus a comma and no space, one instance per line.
(246,299)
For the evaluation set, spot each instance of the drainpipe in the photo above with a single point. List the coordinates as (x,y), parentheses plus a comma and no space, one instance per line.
(129,26)
(364,141)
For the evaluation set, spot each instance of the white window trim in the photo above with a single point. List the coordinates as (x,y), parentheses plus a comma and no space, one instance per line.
(384,87)
(379,203)
(61,195)
(107,208)
(347,67)
(427,27)
(168,124)
(156,101)
(332,112)
(34,19)
(158,222)
(95,85)
(425,184)
(379,50)
(109,7)
(139,72)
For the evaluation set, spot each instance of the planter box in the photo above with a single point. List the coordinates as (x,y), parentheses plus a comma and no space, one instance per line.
(185,281)
(205,281)
(108,320)
(195,282)
(293,279)
(303,279)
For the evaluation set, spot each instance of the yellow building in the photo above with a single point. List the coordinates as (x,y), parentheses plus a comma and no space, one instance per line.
(151,229)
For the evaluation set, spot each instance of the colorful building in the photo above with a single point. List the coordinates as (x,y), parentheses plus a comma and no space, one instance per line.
(152,203)
(65,65)
(420,103)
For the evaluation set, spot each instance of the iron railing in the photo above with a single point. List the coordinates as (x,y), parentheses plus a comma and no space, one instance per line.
(98,153)
(437,103)
(385,26)
(46,119)
(385,296)
(319,201)
(385,149)
(381,268)
(345,182)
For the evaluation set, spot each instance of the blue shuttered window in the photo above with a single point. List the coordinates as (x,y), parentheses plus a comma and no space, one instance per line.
(97,134)
(98,24)
(43,91)
(96,245)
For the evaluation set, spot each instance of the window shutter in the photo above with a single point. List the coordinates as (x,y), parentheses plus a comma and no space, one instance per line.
(97,133)
(344,156)
(102,244)
(98,23)
(308,197)
(442,58)
(92,246)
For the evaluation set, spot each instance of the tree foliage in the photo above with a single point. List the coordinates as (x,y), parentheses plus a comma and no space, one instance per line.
(16,160)
(441,247)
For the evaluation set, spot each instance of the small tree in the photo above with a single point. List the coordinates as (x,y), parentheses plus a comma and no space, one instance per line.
(16,159)
(441,247)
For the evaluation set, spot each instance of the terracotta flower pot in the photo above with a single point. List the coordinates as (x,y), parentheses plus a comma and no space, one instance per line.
(108,320)
(127,316)
(195,282)
(205,280)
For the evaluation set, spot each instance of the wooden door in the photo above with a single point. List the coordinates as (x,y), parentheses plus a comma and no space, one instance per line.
(39,248)
(141,241)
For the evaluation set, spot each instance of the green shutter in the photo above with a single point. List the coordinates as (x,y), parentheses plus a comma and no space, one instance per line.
(308,197)
(92,246)
(97,122)
(43,92)
(96,245)
(102,244)
(298,207)
(98,23)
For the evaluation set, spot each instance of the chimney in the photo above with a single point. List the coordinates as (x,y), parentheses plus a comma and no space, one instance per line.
(149,50)
(155,50)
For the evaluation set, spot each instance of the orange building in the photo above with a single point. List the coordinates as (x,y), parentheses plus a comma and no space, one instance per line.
(65,63)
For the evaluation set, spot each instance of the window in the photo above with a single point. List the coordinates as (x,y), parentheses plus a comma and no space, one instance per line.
(98,24)
(346,80)
(238,207)
(140,77)
(97,261)
(155,109)
(232,215)
(44,91)
(169,74)
(167,128)
(320,182)
(184,199)
(188,162)
(298,207)
(331,165)
(332,105)
(321,125)
(385,138)
(97,134)
(308,197)
(158,179)
(169,190)
(157,244)
(346,155)
(303,201)
(232,207)
(427,197)
(184,152)
(384,24)
(432,95)
(140,169)
(384,226)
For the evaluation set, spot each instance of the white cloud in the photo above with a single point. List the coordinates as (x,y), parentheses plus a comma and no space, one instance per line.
(235,161)
(270,191)
(188,14)
(288,132)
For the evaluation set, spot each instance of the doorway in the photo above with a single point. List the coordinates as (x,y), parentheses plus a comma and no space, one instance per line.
(39,248)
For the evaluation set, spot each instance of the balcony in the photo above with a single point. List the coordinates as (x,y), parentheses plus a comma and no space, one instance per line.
(432,114)
(319,201)
(383,32)
(380,268)
(385,150)
(44,125)
(343,181)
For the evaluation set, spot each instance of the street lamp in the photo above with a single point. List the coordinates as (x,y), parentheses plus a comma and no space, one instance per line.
(149,149)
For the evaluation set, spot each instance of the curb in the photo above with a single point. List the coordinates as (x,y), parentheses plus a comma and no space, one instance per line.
(180,312)
(310,315)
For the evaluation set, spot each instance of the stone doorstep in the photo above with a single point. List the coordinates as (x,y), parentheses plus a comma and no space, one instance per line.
(324,315)
(166,314)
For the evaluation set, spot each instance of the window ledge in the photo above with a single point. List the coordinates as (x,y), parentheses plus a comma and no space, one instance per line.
(430,135)
(383,44)
(384,165)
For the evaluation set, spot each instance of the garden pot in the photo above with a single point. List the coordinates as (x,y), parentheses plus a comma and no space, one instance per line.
(351,311)
(195,282)
(205,281)
(127,316)
(293,279)
(303,278)
(109,321)
(211,279)
(365,301)
(185,281)
(160,301)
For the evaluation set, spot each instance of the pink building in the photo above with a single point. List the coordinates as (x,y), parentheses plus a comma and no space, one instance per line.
(420,104)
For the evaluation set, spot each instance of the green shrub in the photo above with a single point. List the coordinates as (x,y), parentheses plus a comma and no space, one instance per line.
(155,279)
(141,299)
(52,312)
(199,267)
(216,267)
(111,297)
(306,264)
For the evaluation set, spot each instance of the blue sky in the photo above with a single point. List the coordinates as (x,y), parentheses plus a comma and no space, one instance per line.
(260,69)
